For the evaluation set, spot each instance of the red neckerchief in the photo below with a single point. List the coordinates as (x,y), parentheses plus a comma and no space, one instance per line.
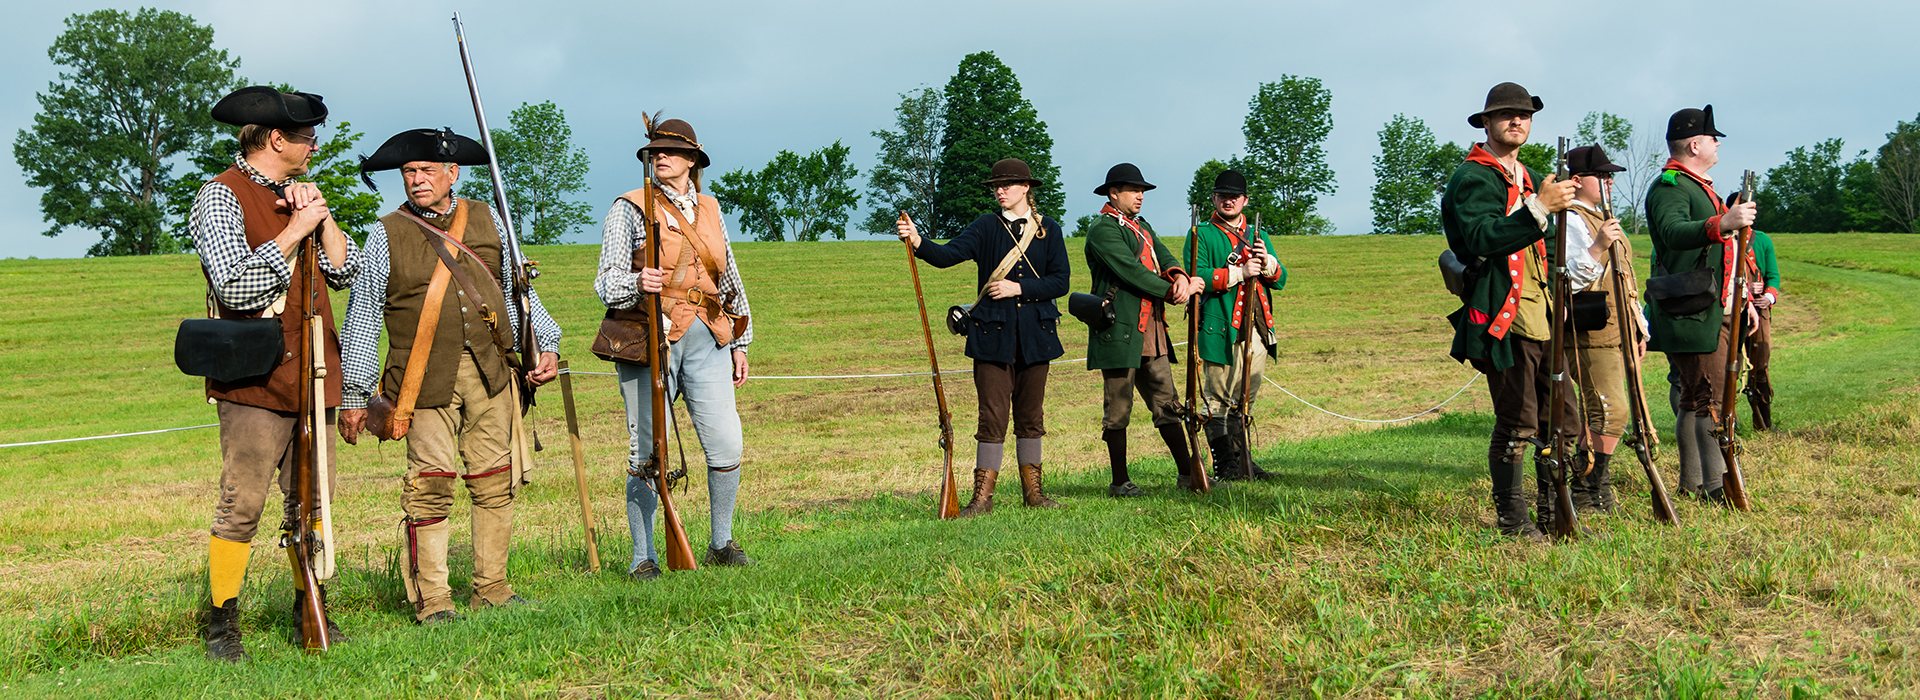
(1242,239)
(1727,252)
(1515,191)
(1719,206)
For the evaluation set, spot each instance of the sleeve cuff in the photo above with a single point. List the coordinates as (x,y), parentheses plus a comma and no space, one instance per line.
(1713,229)
(351,401)
(1539,211)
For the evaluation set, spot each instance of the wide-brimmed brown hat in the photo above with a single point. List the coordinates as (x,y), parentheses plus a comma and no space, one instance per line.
(674,133)
(1010,170)
(1505,96)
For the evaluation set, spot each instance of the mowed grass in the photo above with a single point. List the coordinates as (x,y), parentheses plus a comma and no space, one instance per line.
(1369,569)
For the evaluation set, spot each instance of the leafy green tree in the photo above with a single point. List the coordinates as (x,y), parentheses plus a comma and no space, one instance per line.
(808,196)
(909,164)
(1540,158)
(1802,195)
(1081,225)
(1897,177)
(134,93)
(541,166)
(1609,131)
(1860,197)
(987,119)
(1200,193)
(1406,176)
(1286,164)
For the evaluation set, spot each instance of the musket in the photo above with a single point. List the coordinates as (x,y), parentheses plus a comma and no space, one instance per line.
(1191,416)
(679,552)
(579,469)
(523,270)
(1644,438)
(1565,523)
(949,504)
(308,484)
(1249,333)
(1730,448)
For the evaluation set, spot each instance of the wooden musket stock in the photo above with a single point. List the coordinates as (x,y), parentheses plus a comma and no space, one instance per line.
(1644,438)
(300,542)
(1201,481)
(948,505)
(1730,448)
(1560,294)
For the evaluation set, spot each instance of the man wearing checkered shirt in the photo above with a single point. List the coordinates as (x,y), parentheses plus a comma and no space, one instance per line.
(248,224)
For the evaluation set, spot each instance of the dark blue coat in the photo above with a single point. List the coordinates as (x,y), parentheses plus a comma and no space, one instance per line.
(1020,329)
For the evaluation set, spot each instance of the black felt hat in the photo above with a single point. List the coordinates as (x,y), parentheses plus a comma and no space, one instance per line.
(1010,170)
(1505,96)
(269,107)
(431,145)
(1692,122)
(1590,159)
(675,133)
(1122,174)
(1229,182)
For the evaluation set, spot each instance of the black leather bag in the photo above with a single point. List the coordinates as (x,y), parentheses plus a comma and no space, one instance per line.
(957,317)
(229,349)
(1589,310)
(1454,273)
(1096,312)
(1686,293)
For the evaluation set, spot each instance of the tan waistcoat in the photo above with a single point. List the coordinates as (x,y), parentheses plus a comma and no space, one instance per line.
(682,300)
(279,390)
(1609,337)
(461,328)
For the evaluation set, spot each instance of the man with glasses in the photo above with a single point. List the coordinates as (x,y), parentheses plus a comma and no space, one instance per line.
(1230,255)
(247,225)
(1496,219)
(1600,369)
(434,276)
(1692,283)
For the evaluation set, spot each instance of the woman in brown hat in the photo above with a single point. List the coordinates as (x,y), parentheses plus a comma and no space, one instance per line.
(1012,331)
(707,305)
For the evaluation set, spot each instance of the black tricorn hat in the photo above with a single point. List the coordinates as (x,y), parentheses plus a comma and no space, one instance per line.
(674,133)
(269,107)
(1504,96)
(1122,174)
(1229,182)
(431,145)
(1691,122)
(1590,159)
(1009,170)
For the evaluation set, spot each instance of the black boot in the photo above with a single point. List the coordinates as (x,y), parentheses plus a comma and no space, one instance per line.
(1122,485)
(1583,491)
(1237,430)
(1509,500)
(334,635)
(1600,483)
(1545,496)
(222,633)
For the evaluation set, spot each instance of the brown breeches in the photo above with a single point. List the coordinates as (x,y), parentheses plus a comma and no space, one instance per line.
(255,444)
(1700,376)
(1521,402)
(1019,389)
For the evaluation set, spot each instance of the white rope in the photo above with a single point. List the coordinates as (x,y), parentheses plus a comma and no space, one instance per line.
(846,376)
(115,435)
(1463,388)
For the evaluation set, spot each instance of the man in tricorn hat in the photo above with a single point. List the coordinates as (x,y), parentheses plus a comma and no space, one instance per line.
(1130,266)
(1012,328)
(1496,214)
(708,334)
(247,225)
(1227,255)
(433,277)
(1691,231)
(1601,369)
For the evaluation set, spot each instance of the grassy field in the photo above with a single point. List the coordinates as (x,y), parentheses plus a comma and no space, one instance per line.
(1368,570)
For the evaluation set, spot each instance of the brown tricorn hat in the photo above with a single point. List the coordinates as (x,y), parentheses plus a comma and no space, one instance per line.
(674,133)
(1504,96)
(1009,170)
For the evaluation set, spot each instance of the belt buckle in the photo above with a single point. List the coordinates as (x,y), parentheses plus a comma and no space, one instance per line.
(696,297)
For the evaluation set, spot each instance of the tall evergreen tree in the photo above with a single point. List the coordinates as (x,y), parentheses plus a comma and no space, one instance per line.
(987,120)
(1286,164)
(909,164)
(1406,176)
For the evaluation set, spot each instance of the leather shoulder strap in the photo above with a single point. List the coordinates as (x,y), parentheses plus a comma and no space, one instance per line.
(416,372)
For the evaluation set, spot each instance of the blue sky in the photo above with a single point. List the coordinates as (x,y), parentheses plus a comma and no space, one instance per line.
(1161,84)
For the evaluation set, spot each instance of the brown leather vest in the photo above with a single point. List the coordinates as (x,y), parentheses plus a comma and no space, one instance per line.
(461,326)
(1608,337)
(279,390)
(696,282)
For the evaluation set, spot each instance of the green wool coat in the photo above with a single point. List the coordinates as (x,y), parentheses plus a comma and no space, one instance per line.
(1680,216)
(1769,265)
(1113,261)
(1217,334)
(1473,212)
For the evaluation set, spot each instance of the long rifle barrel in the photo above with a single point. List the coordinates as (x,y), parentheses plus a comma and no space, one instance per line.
(1735,481)
(1565,523)
(949,500)
(1201,482)
(521,278)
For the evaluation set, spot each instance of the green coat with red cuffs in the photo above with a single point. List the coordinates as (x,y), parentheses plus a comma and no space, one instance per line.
(1113,262)
(1683,219)
(1219,325)
(1491,241)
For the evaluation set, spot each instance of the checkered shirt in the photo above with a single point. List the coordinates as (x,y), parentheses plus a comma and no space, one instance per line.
(249,279)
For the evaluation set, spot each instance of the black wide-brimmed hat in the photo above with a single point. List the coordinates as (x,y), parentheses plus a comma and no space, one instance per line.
(1122,174)
(1590,159)
(269,107)
(1504,96)
(431,145)
(1010,170)
(1692,122)
(1229,182)
(675,133)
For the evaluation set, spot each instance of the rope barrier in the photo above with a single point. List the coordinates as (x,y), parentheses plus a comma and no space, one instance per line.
(115,435)
(1463,389)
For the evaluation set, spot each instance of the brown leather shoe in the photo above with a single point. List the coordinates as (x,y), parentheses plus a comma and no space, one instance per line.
(983,482)
(1030,488)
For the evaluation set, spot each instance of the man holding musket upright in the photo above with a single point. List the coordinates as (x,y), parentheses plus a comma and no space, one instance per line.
(1601,370)
(248,224)
(1229,256)
(1496,214)
(1131,267)
(709,329)
(1692,283)
(1763,291)
(433,276)
(1012,329)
